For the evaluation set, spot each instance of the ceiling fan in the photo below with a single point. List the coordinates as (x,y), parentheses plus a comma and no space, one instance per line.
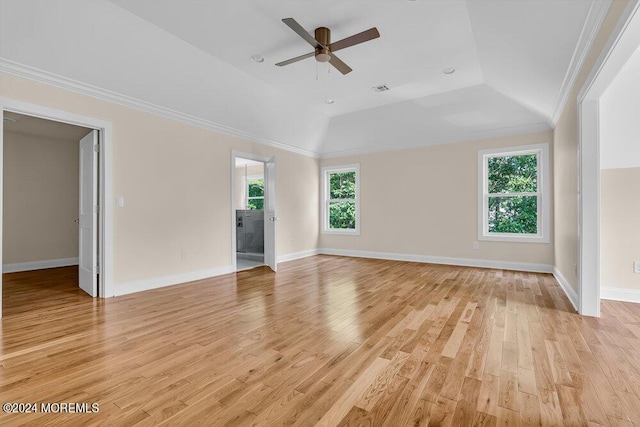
(324,48)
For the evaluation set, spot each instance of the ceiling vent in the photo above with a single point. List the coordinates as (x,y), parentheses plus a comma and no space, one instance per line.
(381,88)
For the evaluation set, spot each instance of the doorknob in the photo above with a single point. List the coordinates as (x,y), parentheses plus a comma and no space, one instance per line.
(273,218)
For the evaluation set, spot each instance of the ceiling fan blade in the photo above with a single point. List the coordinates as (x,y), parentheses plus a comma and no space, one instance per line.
(339,65)
(365,36)
(296,59)
(293,24)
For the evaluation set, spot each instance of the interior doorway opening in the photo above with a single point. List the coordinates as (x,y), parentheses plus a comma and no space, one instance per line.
(102,243)
(249,209)
(253,207)
(617,52)
(45,180)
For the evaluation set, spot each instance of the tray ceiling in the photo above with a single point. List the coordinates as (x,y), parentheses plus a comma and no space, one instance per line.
(514,62)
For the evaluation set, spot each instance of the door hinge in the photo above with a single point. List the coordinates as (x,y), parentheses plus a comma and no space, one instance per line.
(96,209)
(96,148)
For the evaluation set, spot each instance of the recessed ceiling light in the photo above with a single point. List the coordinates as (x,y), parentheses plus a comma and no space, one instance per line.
(329,101)
(449,70)
(257,58)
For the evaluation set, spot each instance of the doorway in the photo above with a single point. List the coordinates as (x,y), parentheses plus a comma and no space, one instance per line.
(100,173)
(49,177)
(253,211)
(615,55)
(249,190)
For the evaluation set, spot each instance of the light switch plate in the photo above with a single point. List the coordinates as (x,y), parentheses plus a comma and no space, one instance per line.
(636,267)
(120,202)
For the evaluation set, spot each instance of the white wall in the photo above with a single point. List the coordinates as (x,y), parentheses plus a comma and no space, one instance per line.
(40,183)
(620,119)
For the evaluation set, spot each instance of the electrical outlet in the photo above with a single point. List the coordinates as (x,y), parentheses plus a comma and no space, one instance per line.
(636,267)
(476,245)
(183,255)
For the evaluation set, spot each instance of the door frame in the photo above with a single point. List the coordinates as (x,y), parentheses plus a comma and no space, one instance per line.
(237,154)
(105,175)
(619,48)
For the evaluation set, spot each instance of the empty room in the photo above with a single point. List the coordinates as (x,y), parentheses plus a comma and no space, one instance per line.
(412,212)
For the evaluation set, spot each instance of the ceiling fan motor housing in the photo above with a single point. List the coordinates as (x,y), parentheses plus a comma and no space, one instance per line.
(323,36)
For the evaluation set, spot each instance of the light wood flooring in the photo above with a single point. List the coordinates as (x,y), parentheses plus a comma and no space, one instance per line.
(328,341)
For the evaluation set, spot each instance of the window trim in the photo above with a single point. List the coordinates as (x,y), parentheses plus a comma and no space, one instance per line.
(543,194)
(325,171)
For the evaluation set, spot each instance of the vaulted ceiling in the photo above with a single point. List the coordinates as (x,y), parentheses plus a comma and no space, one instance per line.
(514,63)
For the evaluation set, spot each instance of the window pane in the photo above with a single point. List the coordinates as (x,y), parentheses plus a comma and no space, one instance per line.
(513,214)
(255,204)
(342,215)
(342,185)
(256,188)
(513,174)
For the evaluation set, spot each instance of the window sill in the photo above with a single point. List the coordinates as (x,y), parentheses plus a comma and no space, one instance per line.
(514,239)
(342,232)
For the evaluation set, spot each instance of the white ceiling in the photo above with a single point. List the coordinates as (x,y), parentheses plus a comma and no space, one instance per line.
(514,61)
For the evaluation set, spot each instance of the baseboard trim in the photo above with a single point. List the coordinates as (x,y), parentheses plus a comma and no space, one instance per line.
(298,255)
(174,279)
(566,287)
(39,265)
(620,294)
(463,262)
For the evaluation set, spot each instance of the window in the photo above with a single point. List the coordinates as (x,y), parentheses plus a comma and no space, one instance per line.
(514,194)
(341,199)
(255,193)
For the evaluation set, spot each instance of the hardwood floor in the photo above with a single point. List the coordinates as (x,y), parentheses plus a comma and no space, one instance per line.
(326,340)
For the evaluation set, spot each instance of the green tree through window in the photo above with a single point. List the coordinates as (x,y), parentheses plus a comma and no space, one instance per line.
(514,198)
(513,194)
(341,199)
(342,194)
(255,194)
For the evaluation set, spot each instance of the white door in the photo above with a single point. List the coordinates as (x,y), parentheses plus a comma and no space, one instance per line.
(270,256)
(88,233)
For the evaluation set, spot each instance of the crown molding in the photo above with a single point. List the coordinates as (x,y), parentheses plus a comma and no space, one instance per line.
(32,73)
(588,34)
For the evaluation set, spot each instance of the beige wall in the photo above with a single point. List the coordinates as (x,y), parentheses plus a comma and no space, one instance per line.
(40,183)
(619,235)
(424,201)
(176,181)
(565,153)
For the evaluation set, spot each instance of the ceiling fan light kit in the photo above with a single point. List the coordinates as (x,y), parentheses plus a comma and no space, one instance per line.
(321,41)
